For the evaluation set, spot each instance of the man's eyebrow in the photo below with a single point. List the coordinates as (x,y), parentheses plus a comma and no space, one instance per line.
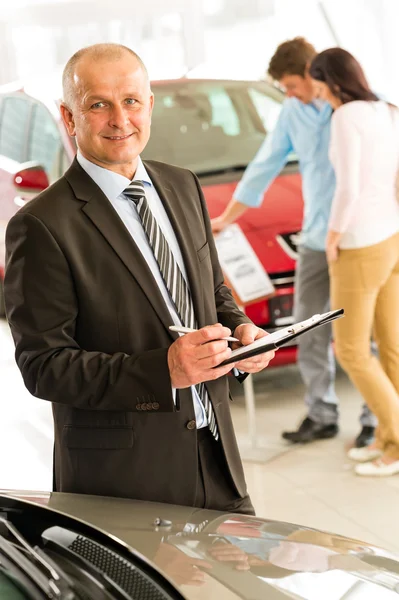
(128,94)
(93,98)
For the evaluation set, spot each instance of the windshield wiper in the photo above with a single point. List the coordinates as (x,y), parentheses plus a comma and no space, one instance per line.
(38,567)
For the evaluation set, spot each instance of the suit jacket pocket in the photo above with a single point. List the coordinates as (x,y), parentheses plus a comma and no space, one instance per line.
(203,252)
(98,438)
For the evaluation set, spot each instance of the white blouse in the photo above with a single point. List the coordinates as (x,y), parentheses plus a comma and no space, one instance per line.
(364,151)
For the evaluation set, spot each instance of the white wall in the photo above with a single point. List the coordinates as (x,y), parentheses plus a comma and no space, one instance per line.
(180,34)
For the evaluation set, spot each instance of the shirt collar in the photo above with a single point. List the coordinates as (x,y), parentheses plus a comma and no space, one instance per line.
(322,112)
(111,183)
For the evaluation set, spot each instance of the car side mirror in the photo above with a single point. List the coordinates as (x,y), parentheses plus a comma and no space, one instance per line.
(29,180)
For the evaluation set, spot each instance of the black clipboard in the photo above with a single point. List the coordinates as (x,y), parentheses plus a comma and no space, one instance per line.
(282,336)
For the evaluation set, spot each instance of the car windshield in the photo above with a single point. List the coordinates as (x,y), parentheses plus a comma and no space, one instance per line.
(211,126)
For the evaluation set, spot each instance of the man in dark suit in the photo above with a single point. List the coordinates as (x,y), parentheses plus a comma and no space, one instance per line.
(99,266)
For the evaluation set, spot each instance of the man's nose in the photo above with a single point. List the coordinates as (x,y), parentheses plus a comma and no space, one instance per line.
(118,117)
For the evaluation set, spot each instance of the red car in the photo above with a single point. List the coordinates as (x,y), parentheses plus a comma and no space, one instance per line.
(212,127)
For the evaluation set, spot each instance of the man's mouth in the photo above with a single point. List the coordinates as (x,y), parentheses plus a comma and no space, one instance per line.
(118,137)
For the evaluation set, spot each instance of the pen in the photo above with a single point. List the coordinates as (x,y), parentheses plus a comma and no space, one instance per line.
(189,330)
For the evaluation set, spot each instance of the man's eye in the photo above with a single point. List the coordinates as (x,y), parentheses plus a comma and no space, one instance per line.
(98,105)
(130,101)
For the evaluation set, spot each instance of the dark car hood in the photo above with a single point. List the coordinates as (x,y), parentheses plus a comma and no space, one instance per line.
(287,561)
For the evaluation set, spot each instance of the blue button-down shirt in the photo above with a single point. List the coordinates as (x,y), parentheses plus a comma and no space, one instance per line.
(112,185)
(305,130)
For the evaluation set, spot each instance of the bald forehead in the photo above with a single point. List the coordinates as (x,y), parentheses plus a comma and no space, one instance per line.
(96,62)
(123,62)
(107,54)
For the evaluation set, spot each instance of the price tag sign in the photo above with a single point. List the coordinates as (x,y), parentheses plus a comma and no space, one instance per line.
(241,266)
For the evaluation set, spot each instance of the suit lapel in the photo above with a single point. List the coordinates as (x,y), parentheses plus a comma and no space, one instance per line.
(104,217)
(173,202)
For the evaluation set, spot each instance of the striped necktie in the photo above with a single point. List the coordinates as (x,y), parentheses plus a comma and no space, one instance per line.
(172,276)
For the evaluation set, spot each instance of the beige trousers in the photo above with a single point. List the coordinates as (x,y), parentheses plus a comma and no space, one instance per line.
(365,282)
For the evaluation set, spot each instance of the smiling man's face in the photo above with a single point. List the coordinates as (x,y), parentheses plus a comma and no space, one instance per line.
(111,112)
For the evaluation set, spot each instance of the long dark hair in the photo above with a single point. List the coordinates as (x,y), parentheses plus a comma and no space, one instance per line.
(343,75)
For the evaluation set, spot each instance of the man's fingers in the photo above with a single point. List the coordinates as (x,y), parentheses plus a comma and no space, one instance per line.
(213,360)
(257,363)
(233,556)
(206,335)
(198,562)
(196,357)
(248,333)
(243,567)
(213,348)
(214,332)
(217,225)
(250,367)
(229,553)
(219,372)
(247,339)
(228,549)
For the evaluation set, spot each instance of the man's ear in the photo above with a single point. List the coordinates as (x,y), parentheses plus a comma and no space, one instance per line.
(151,107)
(67,117)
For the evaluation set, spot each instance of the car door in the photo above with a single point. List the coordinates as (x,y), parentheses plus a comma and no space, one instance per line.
(45,143)
(29,133)
(15,113)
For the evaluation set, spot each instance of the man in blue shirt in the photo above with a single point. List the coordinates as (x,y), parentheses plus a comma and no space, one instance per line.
(304,128)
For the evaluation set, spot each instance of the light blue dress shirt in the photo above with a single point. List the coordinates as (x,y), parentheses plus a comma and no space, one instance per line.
(305,130)
(112,185)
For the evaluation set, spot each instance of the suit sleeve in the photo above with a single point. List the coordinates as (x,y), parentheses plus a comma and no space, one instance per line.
(42,309)
(227,310)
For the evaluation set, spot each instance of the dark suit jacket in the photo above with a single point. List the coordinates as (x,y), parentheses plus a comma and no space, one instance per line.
(91,334)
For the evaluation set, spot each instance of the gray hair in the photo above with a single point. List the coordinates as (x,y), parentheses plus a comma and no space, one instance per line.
(96,52)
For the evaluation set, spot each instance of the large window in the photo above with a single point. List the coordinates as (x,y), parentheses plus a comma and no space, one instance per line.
(211,126)
(45,145)
(15,113)
(223,113)
(268,108)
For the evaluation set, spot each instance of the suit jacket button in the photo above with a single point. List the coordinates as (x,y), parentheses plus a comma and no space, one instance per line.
(155,405)
(144,406)
(191,425)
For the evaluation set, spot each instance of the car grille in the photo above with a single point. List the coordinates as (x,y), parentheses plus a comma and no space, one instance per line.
(129,578)
(280,310)
(125,575)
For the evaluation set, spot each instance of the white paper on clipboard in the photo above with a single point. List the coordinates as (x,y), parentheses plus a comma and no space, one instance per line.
(241,265)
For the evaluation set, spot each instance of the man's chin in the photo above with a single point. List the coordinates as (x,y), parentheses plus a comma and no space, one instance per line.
(122,158)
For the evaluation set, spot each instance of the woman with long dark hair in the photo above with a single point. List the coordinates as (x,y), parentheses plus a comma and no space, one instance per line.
(363,246)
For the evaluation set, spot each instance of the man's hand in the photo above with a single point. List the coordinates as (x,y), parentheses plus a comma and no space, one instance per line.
(181,568)
(192,358)
(230,553)
(248,333)
(233,211)
(218,224)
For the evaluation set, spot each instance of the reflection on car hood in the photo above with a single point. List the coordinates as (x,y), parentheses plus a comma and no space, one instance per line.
(243,557)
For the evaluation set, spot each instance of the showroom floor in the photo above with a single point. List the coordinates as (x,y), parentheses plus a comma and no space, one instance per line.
(313,485)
